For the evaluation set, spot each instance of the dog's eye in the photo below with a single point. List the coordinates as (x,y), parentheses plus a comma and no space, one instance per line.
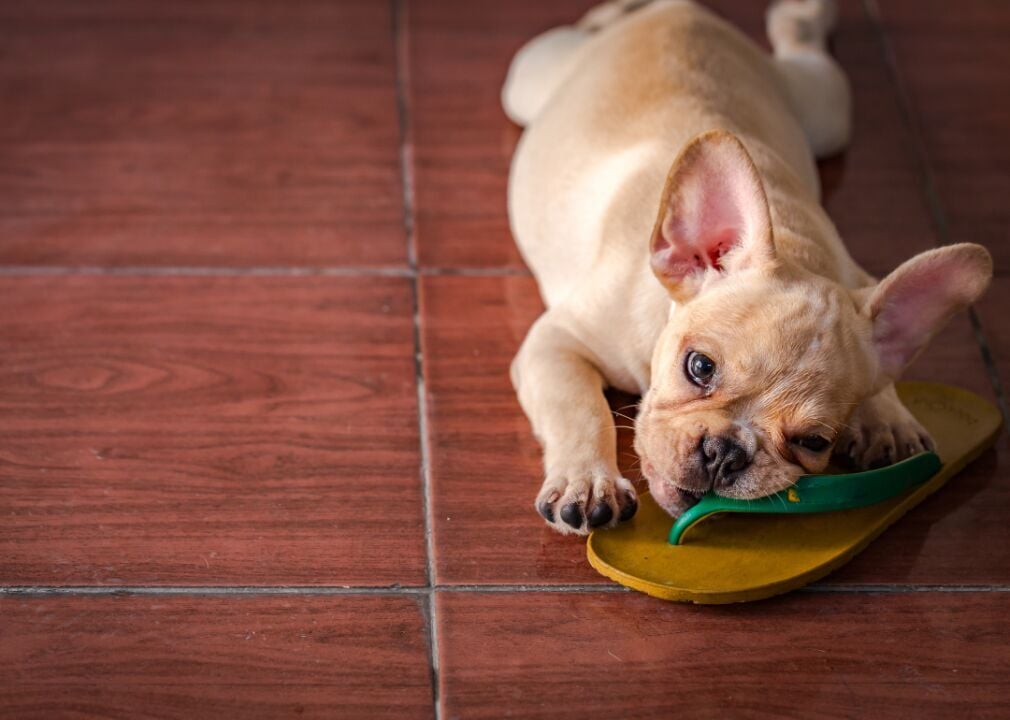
(813,443)
(699,368)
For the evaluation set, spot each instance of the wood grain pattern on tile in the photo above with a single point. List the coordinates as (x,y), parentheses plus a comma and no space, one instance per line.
(229,133)
(213,657)
(533,655)
(208,430)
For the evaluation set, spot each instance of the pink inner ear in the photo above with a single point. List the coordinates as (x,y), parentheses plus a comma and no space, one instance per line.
(682,260)
(917,300)
(716,207)
(906,321)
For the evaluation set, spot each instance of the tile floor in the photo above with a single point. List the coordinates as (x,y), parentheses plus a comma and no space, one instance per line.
(259,456)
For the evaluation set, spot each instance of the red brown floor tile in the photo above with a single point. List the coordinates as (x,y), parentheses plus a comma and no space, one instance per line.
(208,431)
(951,59)
(463,143)
(993,315)
(214,657)
(535,655)
(485,465)
(231,133)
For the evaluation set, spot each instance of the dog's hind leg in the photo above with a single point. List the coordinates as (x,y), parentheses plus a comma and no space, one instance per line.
(538,69)
(542,64)
(817,87)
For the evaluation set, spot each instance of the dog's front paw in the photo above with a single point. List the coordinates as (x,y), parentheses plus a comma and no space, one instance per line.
(881,432)
(578,501)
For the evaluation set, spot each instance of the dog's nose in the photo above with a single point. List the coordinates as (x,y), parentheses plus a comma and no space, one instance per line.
(724,460)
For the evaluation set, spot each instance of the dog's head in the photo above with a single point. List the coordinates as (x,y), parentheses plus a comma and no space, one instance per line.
(762,362)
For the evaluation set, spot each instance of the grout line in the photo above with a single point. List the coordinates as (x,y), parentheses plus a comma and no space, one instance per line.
(429,593)
(398,16)
(258,271)
(428,610)
(990,366)
(929,188)
(891,588)
(477,272)
(527,588)
(204,271)
(75,590)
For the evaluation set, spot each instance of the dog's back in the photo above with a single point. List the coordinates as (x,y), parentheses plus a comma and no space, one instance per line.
(591,164)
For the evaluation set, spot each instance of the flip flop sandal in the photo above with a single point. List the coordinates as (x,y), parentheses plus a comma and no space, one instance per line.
(724,550)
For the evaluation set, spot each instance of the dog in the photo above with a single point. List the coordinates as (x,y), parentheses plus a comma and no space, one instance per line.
(665,195)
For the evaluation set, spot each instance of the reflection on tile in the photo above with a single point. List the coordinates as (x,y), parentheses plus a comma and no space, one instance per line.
(228,133)
(805,655)
(219,430)
(214,657)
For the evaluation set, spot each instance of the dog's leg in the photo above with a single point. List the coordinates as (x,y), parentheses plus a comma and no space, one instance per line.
(817,87)
(537,70)
(881,431)
(608,13)
(562,394)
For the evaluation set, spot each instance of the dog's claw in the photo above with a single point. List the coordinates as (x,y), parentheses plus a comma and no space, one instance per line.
(629,509)
(881,433)
(572,514)
(576,502)
(600,515)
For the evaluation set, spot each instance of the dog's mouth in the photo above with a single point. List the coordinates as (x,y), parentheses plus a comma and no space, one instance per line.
(685,498)
(688,497)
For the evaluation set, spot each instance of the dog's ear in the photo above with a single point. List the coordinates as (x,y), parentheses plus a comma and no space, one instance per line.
(915,301)
(713,217)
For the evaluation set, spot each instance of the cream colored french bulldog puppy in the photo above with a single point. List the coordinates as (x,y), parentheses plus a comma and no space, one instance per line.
(665,195)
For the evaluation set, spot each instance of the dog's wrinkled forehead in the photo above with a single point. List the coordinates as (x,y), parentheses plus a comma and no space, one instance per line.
(778,341)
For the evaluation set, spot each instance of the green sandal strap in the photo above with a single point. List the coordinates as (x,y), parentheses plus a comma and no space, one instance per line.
(819,493)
